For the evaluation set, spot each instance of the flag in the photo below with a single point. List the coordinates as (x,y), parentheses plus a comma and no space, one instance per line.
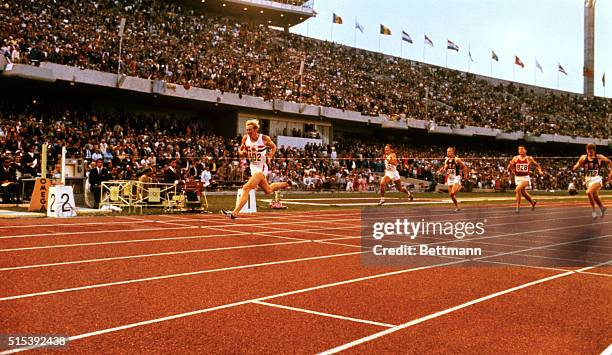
(470,54)
(518,62)
(337,19)
(428,41)
(494,56)
(384,30)
(539,66)
(603,79)
(358,26)
(406,37)
(452,46)
(588,72)
(561,70)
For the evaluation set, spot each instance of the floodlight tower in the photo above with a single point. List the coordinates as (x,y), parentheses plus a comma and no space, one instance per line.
(589,48)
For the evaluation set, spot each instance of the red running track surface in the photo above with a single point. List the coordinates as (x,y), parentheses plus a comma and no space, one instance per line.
(293,282)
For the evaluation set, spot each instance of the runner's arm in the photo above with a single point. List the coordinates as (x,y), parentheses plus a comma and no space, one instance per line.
(579,163)
(242,150)
(511,165)
(609,163)
(270,144)
(464,168)
(537,165)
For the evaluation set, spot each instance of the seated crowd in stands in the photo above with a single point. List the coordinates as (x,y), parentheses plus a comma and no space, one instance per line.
(167,41)
(135,146)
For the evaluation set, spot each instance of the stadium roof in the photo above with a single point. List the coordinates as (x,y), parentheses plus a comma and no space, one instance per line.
(281,13)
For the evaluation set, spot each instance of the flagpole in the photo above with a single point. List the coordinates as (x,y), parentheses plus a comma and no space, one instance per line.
(535,74)
(557,79)
(446,56)
(513,68)
(332,32)
(424,46)
(491,59)
(355,29)
(469,54)
(379,36)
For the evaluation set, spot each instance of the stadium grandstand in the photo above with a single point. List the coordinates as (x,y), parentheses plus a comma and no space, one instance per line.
(204,59)
(124,124)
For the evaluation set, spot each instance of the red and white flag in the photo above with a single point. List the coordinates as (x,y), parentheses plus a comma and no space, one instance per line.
(518,62)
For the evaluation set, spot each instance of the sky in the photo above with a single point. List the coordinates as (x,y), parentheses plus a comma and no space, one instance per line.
(550,31)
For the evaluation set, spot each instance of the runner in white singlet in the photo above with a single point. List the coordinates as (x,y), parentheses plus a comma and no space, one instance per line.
(391,175)
(258,148)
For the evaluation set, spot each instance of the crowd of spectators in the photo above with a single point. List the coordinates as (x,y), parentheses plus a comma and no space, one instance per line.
(166,41)
(167,149)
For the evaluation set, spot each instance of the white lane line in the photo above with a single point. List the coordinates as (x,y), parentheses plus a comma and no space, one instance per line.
(522,265)
(174,224)
(451,309)
(136,219)
(232,234)
(336,243)
(149,255)
(325,314)
(492,243)
(192,273)
(73,224)
(595,273)
(97,232)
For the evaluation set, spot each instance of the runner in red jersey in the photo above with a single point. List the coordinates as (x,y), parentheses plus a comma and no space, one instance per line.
(520,165)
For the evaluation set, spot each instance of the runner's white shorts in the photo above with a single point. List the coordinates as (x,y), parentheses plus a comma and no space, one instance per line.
(453,179)
(593,180)
(259,169)
(519,179)
(393,175)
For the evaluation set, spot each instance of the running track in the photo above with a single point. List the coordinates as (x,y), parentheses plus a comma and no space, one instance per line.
(293,282)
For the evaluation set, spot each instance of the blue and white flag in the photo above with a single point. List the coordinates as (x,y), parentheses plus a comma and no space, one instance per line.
(406,37)
(358,26)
